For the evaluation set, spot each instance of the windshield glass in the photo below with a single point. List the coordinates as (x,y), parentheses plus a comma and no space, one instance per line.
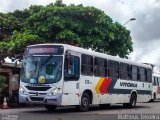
(41,69)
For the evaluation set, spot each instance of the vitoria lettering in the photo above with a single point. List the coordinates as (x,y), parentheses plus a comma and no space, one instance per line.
(124,84)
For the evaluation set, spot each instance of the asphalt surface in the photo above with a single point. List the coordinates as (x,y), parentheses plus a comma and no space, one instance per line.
(143,111)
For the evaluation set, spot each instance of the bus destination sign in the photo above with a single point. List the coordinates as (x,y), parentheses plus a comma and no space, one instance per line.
(44,50)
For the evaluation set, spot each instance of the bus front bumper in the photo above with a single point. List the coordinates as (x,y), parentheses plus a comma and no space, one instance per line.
(50,100)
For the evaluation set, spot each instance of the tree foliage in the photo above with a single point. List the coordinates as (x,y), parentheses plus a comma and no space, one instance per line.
(87,27)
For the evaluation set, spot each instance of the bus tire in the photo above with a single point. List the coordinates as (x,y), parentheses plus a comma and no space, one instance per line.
(151,100)
(104,106)
(85,102)
(50,107)
(133,101)
(154,97)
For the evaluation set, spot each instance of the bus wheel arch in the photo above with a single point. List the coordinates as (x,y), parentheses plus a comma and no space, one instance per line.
(134,92)
(132,100)
(89,92)
(86,100)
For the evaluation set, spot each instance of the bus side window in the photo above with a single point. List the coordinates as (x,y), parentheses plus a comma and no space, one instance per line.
(142,74)
(99,67)
(113,69)
(87,65)
(149,76)
(134,72)
(72,68)
(124,71)
(110,68)
(105,67)
(154,81)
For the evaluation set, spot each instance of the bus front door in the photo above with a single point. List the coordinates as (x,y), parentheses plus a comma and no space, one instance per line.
(71,94)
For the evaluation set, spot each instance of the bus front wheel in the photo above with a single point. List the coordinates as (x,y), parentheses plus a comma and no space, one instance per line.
(50,107)
(85,103)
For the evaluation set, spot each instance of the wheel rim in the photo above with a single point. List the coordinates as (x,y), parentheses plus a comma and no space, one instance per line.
(85,103)
(133,101)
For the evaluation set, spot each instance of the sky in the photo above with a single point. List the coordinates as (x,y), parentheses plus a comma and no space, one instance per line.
(145,30)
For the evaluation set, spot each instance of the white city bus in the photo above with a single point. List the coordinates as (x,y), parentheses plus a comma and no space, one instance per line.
(60,75)
(156,86)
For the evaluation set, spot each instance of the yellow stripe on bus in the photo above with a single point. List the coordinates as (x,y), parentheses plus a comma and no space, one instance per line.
(99,84)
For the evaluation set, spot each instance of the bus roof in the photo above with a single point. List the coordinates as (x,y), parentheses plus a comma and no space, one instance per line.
(97,54)
(156,75)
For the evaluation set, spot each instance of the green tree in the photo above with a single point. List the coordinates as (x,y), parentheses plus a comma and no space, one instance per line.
(87,27)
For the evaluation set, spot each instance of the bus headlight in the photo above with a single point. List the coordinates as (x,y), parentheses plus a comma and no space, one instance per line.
(22,91)
(53,92)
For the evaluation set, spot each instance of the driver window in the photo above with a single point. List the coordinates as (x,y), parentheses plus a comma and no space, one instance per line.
(71,67)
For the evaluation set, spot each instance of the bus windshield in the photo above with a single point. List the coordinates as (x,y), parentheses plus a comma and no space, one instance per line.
(41,69)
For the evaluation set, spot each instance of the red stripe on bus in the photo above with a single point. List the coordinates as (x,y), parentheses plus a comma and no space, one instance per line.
(105,84)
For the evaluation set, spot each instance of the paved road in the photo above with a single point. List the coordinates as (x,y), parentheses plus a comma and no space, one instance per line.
(142,111)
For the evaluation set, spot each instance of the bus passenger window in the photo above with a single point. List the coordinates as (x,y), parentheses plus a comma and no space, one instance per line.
(105,67)
(149,76)
(87,65)
(142,74)
(134,74)
(124,71)
(113,69)
(154,81)
(99,67)
(71,68)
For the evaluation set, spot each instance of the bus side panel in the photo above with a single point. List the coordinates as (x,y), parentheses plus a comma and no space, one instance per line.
(70,99)
(71,94)
(115,98)
(143,98)
(88,83)
(99,88)
(119,91)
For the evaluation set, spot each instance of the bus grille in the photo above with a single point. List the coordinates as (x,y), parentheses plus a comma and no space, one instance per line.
(37,88)
(36,99)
